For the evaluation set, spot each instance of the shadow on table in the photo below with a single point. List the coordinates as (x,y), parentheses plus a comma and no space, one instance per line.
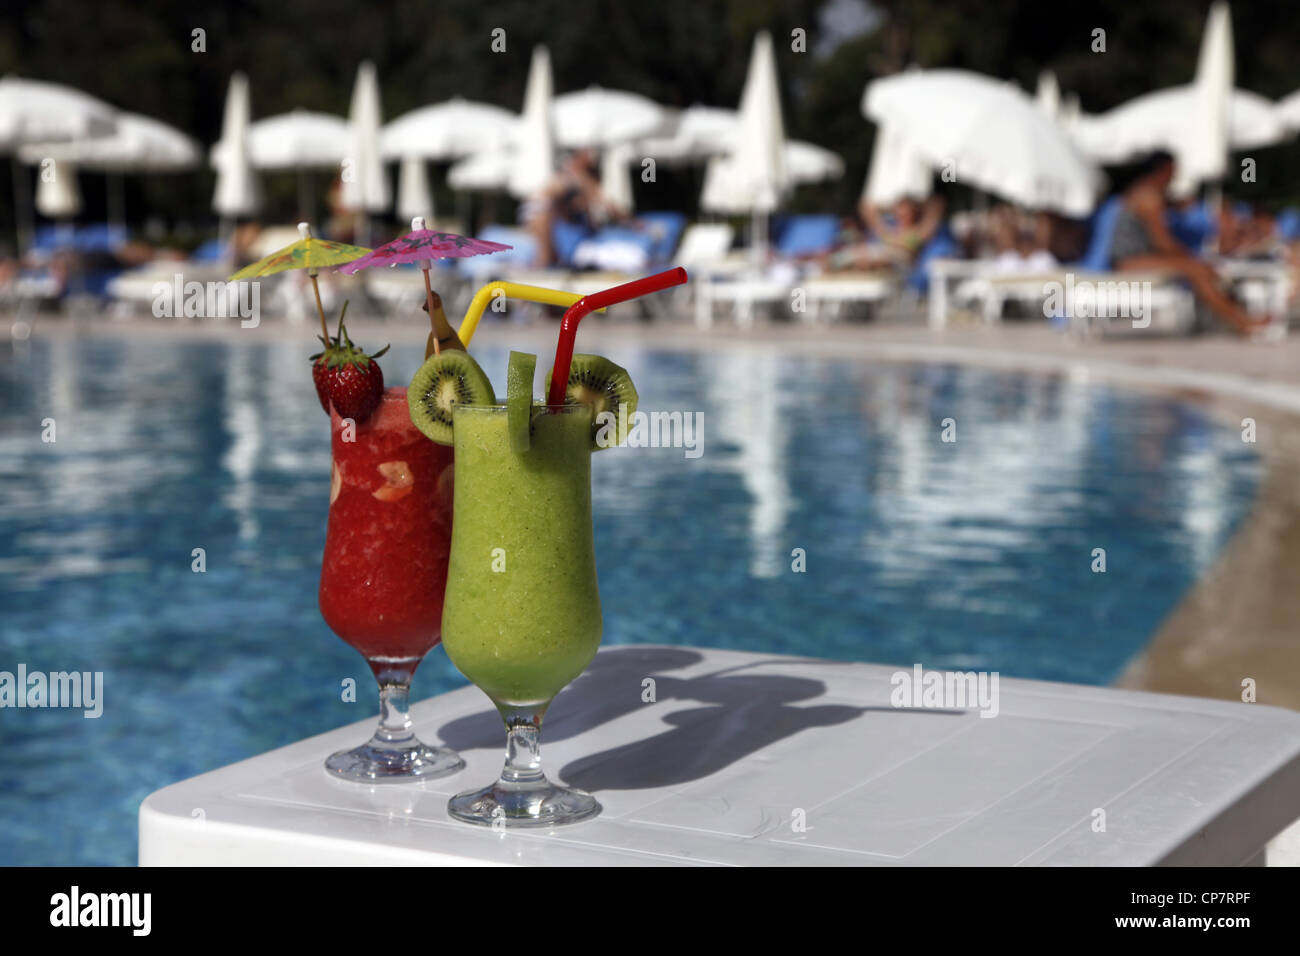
(744,713)
(587,702)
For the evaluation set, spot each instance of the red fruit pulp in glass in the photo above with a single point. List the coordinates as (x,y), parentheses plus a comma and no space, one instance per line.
(385,566)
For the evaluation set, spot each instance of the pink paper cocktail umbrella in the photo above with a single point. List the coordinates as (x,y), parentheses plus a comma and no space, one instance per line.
(423,246)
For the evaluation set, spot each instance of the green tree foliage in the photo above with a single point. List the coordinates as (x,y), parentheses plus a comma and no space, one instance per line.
(304,53)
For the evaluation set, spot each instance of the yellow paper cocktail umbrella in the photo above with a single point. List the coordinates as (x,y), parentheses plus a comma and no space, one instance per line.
(307,253)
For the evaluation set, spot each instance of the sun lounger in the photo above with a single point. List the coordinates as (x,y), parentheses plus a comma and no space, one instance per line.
(1096,296)
(827,295)
(798,238)
(643,245)
(704,246)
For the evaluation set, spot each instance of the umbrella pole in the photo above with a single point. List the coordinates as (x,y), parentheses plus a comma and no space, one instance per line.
(117,200)
(320,309)
(305,204)
(22,205)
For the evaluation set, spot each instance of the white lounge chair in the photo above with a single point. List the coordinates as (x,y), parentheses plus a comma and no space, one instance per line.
(827,295)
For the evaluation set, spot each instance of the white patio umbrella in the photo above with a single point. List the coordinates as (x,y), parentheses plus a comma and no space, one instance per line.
(297,141)
(33,111)
(300,139)
(757,153)
(1199,123)
(1048,94)
(449,130)
(534,155)
(485,171)
(694,134)
(990,132)
(139,144)
(237,192)
(596,117)
(1070,112)
(365,185)
(616,176)
(810,163)
(896,172)
(1160,120)
(414,200)
(699,133)
(1202,151)
(752,176)
(57,194)
(1288,108)
(723,191)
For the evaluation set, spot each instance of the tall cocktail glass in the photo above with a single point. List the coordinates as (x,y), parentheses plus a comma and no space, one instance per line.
(383,575)
(522,615)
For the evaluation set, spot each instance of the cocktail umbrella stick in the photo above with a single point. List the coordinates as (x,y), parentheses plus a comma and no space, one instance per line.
(320,309)
(433,320)
(443,336)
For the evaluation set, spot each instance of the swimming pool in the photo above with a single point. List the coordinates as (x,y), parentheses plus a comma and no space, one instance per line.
(971,554)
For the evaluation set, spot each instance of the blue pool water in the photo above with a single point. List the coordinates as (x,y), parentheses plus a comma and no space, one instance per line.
(973,554)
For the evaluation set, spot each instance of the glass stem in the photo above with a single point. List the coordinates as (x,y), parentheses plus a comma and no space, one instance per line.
(394,730)
(523,767)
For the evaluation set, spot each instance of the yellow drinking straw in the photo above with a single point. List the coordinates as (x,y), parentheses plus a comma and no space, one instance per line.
(514,290)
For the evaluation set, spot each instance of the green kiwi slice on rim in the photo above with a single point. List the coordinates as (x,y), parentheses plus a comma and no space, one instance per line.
(607,388)
(519,399)
(443,382)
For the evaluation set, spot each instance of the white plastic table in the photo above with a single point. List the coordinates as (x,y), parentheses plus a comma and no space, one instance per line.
(760,759)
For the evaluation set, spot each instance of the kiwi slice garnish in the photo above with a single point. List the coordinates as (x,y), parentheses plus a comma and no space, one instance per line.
(606,387)
(443,382)
(519,399)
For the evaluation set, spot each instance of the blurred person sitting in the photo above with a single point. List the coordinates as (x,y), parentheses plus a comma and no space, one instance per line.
(893,239)
(1018,246)
(1249,234)
(1142,242)
(574,196)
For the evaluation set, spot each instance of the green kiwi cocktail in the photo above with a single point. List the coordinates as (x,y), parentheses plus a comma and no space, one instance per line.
(522,613)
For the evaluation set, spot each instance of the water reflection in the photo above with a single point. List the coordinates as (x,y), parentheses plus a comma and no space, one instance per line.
(747,404)
(242,420)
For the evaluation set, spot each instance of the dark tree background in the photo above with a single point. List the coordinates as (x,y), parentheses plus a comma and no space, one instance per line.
(304,53)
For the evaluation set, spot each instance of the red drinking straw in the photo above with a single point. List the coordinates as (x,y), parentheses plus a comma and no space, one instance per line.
(599,300)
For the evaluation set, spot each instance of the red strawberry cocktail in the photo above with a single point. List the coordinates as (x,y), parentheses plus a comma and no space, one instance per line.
(385,566)
(384,573)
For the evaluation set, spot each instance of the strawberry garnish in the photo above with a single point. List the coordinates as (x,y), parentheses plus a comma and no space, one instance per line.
(347,377)
(319,375)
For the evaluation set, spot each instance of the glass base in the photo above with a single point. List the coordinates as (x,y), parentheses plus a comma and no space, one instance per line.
(371,764)
(541,804)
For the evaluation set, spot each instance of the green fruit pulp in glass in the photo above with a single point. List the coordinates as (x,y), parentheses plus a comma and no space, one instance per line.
(521,617)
